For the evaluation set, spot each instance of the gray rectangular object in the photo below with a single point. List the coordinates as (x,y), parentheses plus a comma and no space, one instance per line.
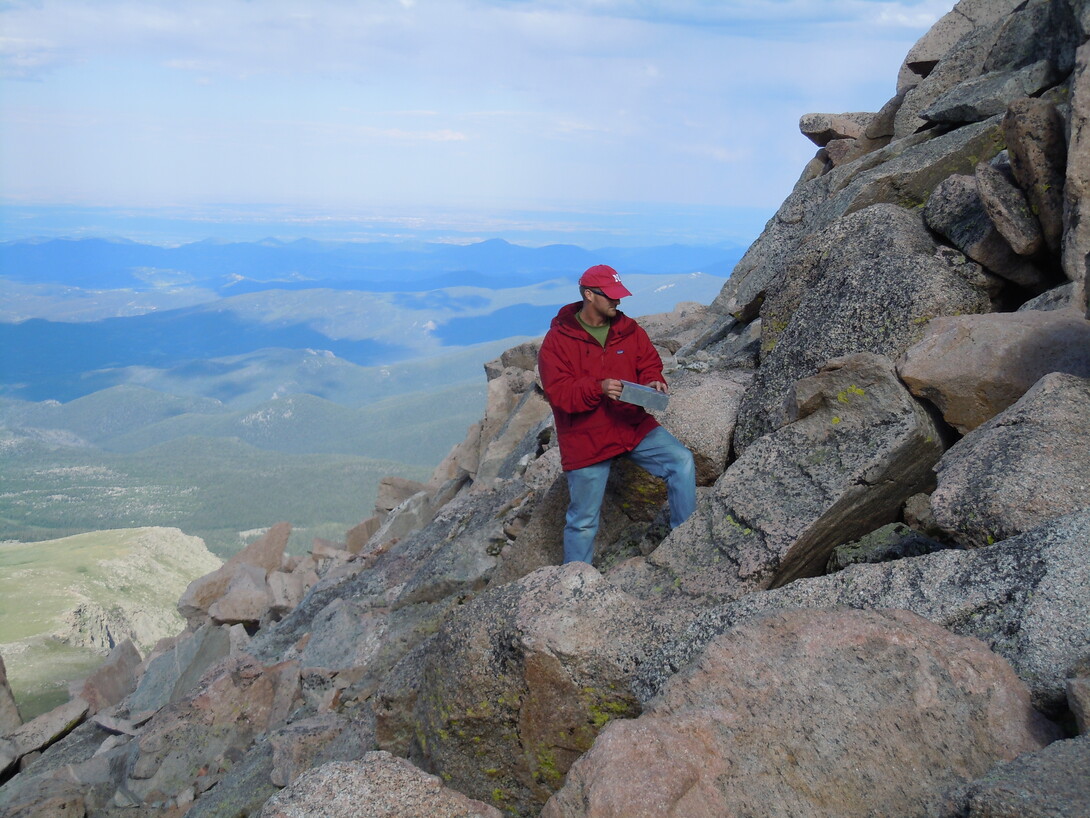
(644,396)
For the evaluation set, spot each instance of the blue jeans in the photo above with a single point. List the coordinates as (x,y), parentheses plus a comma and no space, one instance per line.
(662,455)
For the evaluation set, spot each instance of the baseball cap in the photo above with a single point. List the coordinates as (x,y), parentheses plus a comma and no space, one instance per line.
(603,277)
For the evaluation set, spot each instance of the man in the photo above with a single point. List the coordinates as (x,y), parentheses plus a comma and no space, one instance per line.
(589,349)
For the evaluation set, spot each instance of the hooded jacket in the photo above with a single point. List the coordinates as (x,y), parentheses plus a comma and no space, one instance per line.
(590,427)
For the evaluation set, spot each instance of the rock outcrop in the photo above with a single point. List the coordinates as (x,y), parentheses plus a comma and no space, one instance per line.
(900,356)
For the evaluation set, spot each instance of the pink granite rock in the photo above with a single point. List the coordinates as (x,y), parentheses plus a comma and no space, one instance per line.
(266,554)
(377,786)
(972,367)
(830,712)
(113,680)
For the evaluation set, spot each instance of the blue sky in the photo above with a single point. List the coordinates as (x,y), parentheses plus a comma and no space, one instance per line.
(426,106)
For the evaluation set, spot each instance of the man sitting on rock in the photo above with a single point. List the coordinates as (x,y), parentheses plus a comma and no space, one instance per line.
(589,350)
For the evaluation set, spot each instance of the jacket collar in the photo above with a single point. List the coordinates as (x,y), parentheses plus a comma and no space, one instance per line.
(566,322)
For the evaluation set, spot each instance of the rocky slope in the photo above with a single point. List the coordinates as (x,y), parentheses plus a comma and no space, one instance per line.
(899,365)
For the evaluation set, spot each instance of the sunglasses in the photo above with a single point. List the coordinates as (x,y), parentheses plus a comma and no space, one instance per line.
(599,292)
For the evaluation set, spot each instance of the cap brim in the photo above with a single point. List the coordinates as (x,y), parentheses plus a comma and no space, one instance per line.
(615,291)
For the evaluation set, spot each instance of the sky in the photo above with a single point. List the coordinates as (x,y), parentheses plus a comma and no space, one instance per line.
(426,109)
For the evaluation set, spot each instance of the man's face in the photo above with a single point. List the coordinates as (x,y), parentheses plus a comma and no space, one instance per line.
(601,303)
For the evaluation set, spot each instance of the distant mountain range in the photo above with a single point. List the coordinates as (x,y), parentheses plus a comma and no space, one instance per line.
(234,268)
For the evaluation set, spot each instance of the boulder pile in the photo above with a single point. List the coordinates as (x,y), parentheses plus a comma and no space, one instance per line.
(880,606)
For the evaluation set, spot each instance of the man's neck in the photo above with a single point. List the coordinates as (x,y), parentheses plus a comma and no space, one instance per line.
(592,318)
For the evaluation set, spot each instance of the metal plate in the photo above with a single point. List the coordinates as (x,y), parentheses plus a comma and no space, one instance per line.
(644,396)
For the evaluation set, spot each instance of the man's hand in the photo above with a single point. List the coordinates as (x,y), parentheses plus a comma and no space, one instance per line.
(658,386)
(611,388)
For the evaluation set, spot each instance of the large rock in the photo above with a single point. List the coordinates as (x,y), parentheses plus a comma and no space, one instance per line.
(904,172)
(540,542)
(243,789)
(965,60)
(956,211)
(263,556)
(377,786)
(412,565)
(1021,468)
(1007,207)
(870,282)
(50,799)
(1036,142)
(1052,782)
(247,597)
(819,713)
(506,392)
(43,730)
(972,367)
(633,499)
(171,674)
(346,633)
(394,703)
(821,129)
(87,759)
(313,741)
(517,683)
(1025,597)
(945,34)
(113,680)
(468,539)
(701,414)
(683,325)
(1038,31)
(393,491)
(9,712)
(528,413)
(860,447)
(411,514)
(981,97)
(280,760)
(1076,238)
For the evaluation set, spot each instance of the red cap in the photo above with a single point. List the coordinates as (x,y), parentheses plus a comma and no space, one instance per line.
(603,277)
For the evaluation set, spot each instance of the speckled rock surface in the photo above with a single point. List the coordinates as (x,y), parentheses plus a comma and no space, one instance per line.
(1026,597)
(860,446)
(972,367)
(1051,783)
(377,786)
(819,713)
(867,283)
(1025,466)
(517,683)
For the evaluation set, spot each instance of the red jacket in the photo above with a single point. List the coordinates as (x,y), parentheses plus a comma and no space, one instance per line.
(590,427)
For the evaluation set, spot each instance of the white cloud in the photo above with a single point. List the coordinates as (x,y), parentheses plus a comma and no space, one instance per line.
(285,100)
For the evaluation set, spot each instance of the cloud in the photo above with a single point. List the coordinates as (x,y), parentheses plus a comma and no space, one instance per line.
(771,16)
(286,100)
(240,37)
